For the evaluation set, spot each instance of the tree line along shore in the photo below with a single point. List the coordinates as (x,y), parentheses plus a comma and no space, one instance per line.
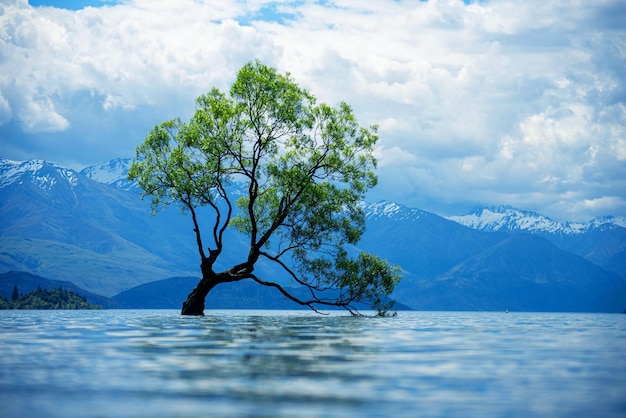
(58,298)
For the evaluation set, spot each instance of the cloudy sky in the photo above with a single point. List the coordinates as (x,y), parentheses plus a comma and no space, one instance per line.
(479,102)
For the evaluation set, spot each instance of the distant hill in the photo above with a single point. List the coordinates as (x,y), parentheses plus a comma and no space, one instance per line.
(246,294)
(524,273)
(171,293)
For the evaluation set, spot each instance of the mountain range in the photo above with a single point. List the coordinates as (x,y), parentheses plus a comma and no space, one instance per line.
(600,240)
(91,228)
(509,219)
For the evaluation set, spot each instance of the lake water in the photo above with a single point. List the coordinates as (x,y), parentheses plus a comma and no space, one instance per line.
(118,363)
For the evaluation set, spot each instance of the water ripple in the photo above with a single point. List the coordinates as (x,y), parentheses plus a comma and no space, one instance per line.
(296,363)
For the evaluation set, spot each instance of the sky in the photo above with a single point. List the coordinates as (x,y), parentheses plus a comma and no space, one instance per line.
(519,103)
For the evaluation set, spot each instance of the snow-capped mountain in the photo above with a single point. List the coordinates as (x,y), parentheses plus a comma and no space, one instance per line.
(58,223)
(113,173)
(40,173)
(509,219)
(61,224)
(607,221)
(391,210)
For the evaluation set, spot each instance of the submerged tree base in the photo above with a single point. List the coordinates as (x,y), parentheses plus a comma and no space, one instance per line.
(194,305)
(192,308)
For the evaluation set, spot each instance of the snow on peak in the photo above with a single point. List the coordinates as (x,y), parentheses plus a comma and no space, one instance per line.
(42,173)
(390,210)
(508,219)
(505,218)
(603,222)
(113,173)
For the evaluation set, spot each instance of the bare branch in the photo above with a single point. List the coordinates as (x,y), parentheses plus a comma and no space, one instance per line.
(196,228)
(219,235)
(310,304)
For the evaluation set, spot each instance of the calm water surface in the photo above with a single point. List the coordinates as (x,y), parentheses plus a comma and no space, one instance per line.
(299,364)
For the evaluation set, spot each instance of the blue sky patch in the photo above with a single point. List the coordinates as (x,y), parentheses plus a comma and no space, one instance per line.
(71,4)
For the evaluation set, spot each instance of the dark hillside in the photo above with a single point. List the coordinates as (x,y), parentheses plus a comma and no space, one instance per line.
(524,273)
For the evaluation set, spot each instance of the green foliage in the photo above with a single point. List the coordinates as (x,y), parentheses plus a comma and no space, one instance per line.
(4,303)
(305,166)
(49,299)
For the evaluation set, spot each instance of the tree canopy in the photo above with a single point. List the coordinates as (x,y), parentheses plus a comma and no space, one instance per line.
(305,168)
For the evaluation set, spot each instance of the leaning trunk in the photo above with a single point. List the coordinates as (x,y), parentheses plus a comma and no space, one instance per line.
(194,305)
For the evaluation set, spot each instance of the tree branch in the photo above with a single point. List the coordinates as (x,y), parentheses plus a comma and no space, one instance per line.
(196,228)
(219,235)
(288,295)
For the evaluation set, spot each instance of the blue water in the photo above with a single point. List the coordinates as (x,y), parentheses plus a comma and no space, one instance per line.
(300,364)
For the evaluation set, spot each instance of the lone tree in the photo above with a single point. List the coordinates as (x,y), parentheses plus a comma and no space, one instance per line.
(305,168)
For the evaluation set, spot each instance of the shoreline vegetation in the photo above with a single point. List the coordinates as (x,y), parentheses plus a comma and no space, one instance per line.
(58,298)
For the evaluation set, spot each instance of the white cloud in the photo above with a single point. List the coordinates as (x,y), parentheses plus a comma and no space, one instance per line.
(131,54)
(487,102)
(618,148)
(41,116)
(395,156)
(6,114)
(114,102)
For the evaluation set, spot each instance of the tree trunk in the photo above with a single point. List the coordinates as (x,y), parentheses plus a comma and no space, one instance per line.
(194,305)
